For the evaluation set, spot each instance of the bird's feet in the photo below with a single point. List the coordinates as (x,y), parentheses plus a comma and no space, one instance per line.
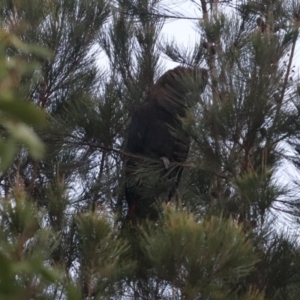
(165,161)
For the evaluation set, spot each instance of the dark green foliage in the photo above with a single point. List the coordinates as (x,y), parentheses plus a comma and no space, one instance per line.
(80,68)
(205,256)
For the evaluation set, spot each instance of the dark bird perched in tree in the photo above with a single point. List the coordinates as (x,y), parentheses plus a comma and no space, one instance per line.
(156,131)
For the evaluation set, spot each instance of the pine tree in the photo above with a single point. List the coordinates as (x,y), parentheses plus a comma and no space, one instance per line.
(63,229)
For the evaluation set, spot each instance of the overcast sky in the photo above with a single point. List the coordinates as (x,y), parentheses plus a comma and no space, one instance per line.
(183,31)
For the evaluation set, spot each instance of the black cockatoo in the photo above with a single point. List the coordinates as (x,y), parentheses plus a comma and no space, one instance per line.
(156,131)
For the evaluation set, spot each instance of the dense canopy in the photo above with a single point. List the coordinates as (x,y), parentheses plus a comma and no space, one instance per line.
(73,76)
